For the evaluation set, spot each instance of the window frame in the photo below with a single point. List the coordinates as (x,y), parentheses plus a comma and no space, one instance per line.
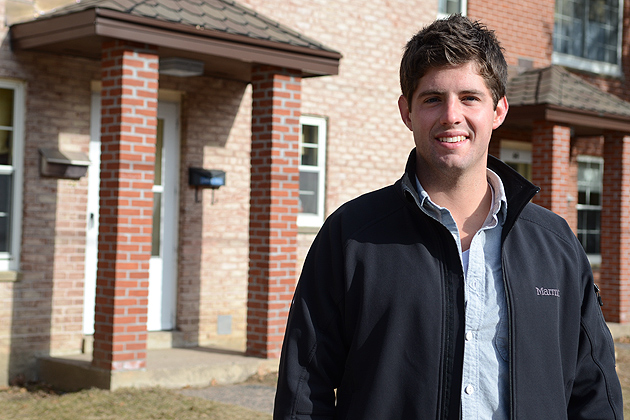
(310,219)
(588,65)
(593,258)
(517,153)
(10,261)
(463,6)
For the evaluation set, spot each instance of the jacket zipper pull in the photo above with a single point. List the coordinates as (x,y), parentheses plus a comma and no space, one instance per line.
(599,297)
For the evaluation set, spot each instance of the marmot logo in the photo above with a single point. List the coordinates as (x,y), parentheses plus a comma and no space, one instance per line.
(541,291)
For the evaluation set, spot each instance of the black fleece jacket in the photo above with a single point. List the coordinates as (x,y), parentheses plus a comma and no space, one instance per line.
(378,316)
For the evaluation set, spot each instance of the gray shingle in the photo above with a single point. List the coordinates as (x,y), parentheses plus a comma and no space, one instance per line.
(218,15)
(556,86)
(213,12)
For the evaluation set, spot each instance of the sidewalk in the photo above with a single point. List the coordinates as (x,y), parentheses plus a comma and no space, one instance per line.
(167,368)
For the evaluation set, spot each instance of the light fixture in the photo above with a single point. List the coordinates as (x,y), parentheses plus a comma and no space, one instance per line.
(181,67)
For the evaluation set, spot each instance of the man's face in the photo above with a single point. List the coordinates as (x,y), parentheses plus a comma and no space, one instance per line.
(452,119)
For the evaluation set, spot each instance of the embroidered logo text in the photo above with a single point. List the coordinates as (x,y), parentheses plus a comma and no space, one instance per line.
(541,291)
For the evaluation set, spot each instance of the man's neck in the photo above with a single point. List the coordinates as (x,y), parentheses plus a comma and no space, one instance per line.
(468,200)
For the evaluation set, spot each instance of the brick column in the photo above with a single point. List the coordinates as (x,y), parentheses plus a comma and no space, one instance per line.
(551,152)
(274,200)
(128,133)
(615,229)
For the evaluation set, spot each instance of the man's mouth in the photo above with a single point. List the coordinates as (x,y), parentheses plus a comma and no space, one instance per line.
(454,139)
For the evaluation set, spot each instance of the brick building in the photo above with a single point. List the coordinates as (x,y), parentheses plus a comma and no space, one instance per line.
(106,106)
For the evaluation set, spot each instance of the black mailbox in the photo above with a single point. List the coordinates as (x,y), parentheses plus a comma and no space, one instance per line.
(206,178)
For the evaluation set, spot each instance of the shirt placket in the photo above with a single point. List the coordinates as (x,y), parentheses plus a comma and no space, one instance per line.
(474,296)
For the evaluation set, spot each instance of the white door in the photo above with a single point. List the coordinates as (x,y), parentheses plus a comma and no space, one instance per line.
(163,265)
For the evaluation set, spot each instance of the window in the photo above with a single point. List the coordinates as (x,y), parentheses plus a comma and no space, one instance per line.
(587,35)
(312,171)
(11,149)
(451,7)
(589,205)
(518,155)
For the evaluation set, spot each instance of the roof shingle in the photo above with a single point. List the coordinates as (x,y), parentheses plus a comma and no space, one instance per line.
(555,85)
(216,15)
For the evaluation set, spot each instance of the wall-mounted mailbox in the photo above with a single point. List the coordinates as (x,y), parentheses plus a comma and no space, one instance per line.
(206,178)
(58,164)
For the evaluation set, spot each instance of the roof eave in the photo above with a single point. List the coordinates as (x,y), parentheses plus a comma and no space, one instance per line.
(107,23)
(569,116)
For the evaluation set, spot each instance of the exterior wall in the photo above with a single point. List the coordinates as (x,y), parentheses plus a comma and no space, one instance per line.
(368,144)
(525,29)
(213,235)
(43,309)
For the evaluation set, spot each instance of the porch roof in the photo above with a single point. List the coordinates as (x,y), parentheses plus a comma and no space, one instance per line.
(227,36)
(555,94)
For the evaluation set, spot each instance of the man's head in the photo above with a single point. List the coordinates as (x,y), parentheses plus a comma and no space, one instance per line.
(450,42)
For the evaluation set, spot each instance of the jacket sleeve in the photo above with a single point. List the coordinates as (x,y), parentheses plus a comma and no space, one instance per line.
(313,352)
(596,392)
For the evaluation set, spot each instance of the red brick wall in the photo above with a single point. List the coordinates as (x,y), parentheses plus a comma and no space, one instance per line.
(274,207)
(615,229)
(551,148)
(525,29)
(128,131)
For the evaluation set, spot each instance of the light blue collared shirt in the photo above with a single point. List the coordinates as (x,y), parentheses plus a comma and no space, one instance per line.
(485,380)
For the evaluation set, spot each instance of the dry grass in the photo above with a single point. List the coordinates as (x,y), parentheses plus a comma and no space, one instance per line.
(127,404)
(38,403)
(623,369)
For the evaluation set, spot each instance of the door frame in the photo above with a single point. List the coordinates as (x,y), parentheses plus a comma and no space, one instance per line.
(165,318)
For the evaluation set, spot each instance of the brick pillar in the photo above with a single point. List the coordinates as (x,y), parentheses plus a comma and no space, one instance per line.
(128,133)
(551,153)
(615,229)
(274,200)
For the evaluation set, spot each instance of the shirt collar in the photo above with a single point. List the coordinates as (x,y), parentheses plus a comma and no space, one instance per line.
(499,202)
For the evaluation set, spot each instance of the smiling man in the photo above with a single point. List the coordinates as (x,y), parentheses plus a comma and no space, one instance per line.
(423,300)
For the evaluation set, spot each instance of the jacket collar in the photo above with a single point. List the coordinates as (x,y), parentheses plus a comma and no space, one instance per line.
(518,190)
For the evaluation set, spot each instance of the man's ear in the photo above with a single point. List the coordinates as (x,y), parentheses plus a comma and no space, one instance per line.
(500,112)
(403,107)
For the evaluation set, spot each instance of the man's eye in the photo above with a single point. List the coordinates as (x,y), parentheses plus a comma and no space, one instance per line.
(471,98)
(431,100)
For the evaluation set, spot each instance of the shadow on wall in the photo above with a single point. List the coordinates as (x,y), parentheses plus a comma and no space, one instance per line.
(209,118)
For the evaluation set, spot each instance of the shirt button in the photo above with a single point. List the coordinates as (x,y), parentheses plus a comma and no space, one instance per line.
(469,336)
(469,389)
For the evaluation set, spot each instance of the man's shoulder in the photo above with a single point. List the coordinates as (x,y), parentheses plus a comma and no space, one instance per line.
(538,217)
(368,209)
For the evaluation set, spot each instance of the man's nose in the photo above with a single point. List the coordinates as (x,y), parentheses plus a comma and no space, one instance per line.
(452,113)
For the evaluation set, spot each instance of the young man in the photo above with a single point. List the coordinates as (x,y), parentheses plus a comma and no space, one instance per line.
(420,300)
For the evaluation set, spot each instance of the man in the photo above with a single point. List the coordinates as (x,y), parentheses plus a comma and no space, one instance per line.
(448,295)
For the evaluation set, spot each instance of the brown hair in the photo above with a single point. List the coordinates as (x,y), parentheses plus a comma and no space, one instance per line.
(454,41)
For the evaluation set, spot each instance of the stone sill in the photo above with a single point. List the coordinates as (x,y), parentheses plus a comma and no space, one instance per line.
(10,276)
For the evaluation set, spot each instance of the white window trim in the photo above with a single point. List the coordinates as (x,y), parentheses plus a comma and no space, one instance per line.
(595,259)
(592,66)
(463,8)
(11,262)
(315,220)
(583,64)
